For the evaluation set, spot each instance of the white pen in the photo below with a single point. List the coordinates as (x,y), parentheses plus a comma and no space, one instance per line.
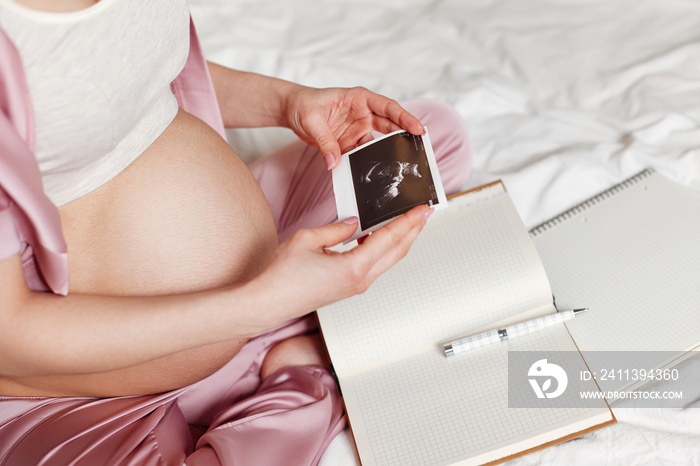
(521,328)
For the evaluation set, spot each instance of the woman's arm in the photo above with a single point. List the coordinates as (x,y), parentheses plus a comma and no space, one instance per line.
(44,334)
(250,100)
(334,120)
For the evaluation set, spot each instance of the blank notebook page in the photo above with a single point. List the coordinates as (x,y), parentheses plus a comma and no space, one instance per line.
(632,256)
(431,410)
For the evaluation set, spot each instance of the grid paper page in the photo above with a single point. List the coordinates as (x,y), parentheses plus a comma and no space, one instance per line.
(470,269)
(430,410)
(634,260)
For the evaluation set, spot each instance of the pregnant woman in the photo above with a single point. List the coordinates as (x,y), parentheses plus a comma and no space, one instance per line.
(185,317)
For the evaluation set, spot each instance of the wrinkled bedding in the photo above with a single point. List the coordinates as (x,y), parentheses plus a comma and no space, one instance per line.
(562,98)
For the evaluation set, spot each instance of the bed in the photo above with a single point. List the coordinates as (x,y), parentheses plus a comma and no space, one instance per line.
(562,98)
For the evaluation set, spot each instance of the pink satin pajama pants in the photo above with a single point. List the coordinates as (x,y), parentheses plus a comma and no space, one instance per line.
(287,420)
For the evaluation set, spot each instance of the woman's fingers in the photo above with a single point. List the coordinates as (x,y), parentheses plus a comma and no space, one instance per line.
(360,131)
(399,251)
(329,235)
(384,125)
(403,245)
(389,244)
(336,120)
(313,127)
(391,110)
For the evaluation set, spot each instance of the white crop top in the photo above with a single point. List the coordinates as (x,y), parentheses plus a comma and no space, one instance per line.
(99,80)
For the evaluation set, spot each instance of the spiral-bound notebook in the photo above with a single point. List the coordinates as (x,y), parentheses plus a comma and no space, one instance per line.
(632,256)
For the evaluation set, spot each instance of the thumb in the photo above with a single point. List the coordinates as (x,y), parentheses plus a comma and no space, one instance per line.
(335,233)
(327,144)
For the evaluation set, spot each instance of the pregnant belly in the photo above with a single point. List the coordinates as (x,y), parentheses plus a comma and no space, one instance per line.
(187,215)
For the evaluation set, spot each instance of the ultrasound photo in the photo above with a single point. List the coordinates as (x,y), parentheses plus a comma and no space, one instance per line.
(390,177)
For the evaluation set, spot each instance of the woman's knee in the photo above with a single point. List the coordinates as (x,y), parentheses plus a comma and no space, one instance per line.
(449,138)
(302,350)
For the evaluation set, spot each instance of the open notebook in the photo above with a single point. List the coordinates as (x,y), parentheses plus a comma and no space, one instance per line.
(632,255)
(473,268)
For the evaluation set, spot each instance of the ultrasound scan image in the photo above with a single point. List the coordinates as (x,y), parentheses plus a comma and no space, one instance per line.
(390,177)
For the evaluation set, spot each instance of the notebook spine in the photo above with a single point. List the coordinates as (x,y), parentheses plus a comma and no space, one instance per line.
(595,200)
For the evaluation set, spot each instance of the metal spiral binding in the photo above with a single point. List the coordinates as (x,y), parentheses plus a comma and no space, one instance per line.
(587,204)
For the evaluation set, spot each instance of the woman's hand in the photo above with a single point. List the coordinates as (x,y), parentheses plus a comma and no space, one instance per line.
(334,120)
(338,120)
(304,275)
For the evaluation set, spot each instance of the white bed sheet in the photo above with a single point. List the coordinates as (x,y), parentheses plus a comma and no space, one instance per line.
(562,98)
